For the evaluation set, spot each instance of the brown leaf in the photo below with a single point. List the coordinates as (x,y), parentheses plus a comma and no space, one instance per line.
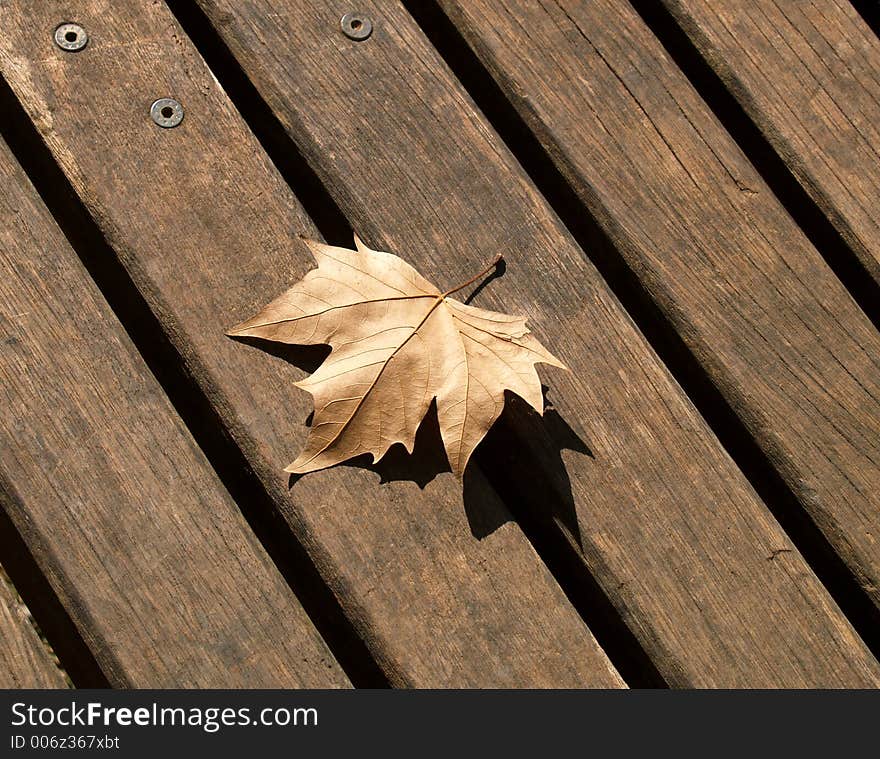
(397,343)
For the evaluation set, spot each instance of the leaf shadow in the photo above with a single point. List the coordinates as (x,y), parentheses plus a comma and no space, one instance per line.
(497,272)
(520,459)
(427,460)
(305,357)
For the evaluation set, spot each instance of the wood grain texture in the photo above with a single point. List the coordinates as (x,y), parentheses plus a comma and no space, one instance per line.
(208,230)
(668,525)
(808,74)
(144,547)
(776,331)
(25,661)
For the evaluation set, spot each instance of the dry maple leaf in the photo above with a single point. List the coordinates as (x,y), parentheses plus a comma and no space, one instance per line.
(397,343)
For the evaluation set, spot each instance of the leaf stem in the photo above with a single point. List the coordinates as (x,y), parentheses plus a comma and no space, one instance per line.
(495,261)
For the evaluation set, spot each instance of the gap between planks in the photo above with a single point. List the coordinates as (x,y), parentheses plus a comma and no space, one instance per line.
(26,657)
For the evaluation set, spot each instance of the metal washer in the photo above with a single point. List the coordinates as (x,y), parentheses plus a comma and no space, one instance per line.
(356,26)
(166,112)
(71,37)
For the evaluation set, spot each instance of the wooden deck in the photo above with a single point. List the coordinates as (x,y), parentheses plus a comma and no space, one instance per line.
(686,196)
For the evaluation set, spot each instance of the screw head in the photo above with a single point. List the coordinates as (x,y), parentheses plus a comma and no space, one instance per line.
(71,37)
(356,26)
(166,112)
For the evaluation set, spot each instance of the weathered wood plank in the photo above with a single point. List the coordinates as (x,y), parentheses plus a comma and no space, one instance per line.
(25,661)
(207,229)
(140,541)
(669,526)
(808,74)
(774,328)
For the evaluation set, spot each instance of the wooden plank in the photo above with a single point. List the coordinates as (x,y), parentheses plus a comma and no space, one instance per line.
(207,228)
(774,328)
(140,541)
(808,75)
(25,661)
(670,528)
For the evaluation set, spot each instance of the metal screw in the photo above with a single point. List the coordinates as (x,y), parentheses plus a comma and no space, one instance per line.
(166,112)
(71,37)
(356,26)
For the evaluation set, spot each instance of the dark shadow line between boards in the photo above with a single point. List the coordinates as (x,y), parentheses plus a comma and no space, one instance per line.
(188,400)
(75,657)
(581,588)
(598,247)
